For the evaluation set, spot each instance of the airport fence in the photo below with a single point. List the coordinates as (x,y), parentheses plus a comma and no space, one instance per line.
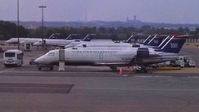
(192,40)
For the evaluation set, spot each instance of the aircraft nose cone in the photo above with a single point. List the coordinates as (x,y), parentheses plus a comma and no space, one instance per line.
(8,41)
(36,44)
(38,60)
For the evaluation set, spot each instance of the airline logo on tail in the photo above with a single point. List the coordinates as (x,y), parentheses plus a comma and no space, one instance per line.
(174,44)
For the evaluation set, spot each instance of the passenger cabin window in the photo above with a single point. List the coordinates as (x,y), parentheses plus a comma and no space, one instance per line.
(135,45)
(84,45)
(9,54)
(74,48)
(77,40)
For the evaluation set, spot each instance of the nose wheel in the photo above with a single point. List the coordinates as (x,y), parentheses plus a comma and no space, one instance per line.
(40,67)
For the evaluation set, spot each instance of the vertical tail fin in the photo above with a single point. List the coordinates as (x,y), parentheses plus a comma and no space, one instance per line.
(157,40)
(69,37)
(147,39)
(174,44)
(164,42)
(72,36)
(88,37)
(54,36)
(151,40)
(130,39)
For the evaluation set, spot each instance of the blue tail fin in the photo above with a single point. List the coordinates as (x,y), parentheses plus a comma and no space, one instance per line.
(54,36)
(147,40)
(130,39)
(88,37)
(69,37)
(174,45)
(164,42)
(156,41)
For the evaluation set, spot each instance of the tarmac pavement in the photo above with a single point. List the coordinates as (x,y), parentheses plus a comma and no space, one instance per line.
(95,92)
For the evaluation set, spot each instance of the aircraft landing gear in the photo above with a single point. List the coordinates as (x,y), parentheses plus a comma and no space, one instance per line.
(39,68)
(43,66)
(142,69)
(113,68)
(51,68)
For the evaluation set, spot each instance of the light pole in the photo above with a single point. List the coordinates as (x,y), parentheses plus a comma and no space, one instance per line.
(42,20)
(17,26)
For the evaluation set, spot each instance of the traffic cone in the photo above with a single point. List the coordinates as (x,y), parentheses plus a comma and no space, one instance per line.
(121,72)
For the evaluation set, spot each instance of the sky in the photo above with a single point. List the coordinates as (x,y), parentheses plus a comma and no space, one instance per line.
(161,11)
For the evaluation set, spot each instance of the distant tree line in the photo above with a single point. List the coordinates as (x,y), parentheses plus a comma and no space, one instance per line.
(8,30)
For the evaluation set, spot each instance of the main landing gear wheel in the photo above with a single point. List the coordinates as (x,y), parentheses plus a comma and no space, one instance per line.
(39,68)
(143,70)
(51,68)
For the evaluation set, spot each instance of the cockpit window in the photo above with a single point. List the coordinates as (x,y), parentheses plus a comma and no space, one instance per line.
(51,54)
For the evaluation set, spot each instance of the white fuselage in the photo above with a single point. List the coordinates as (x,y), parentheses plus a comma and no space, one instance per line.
(38,41)
(91,56)
(97,43)
(53,42)
(23,40)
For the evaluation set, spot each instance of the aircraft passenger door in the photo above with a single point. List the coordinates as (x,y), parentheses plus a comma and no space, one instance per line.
(101,56)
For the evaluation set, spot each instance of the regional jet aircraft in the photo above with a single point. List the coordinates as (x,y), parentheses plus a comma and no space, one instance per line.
(61,42)
(99,43)
(30,40)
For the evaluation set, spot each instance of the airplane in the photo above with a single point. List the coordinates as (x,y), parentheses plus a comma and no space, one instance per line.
(30,40)
(61,42)
(69,41)
(114,56)
(155,42)
(100,43)
(86,41)
(22,40)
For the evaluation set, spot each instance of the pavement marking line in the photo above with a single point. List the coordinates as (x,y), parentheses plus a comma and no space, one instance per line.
(51,72)
(35,88)
(193,77)
(153,76)
(129,89)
